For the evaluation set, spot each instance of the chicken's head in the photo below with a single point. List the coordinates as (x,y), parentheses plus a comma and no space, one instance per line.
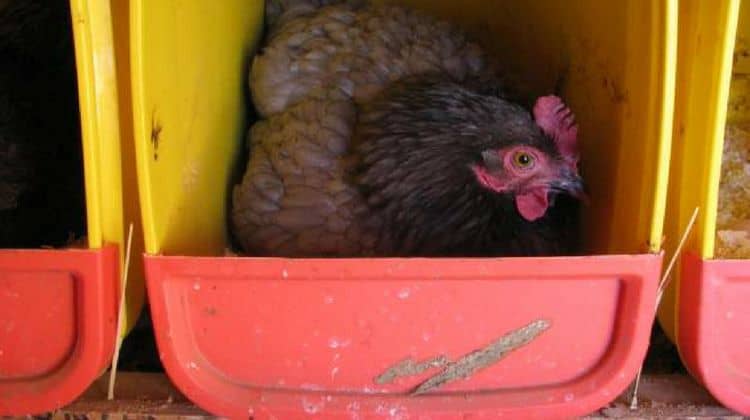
(529,173)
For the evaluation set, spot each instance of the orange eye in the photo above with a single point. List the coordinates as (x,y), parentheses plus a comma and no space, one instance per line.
(523,160)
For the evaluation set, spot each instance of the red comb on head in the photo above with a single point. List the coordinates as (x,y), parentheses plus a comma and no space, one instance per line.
(558,122)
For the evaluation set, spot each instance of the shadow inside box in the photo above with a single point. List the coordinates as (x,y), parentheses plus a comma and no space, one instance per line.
(139,352)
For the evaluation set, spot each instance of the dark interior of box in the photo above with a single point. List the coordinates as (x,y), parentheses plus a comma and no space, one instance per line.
(42,201)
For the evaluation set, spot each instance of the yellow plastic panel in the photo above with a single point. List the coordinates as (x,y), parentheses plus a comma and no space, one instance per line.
(189,67)
(707,32)
(97,91)
(614,63)
(131,203)
(97,65)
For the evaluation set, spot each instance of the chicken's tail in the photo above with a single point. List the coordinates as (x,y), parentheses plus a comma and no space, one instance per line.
(280,11)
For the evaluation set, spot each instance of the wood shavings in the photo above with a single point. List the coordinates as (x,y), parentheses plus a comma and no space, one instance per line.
(733,216)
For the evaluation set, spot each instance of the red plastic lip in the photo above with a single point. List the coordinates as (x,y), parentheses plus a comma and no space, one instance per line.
(57,325)
(714,327)
(265,337)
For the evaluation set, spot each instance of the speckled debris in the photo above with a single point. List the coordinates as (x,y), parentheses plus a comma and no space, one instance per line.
(465,366)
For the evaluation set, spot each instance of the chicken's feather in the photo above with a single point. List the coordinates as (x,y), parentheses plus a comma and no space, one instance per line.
(293,199)
(342,51)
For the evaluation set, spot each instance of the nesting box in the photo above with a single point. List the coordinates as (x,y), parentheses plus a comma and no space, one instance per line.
(265,337)
(705,310)
(59,307)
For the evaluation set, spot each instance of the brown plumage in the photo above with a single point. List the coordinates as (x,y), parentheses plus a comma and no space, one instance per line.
(351,51)
(375,123)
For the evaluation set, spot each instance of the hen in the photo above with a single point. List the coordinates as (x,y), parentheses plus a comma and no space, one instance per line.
(386,132)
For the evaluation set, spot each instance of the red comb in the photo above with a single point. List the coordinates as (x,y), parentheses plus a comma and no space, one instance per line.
(558,122)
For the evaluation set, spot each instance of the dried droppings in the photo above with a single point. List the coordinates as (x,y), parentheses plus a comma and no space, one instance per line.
(409,367)
(480,359)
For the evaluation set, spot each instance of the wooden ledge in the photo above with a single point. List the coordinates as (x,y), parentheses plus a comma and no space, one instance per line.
(151,396)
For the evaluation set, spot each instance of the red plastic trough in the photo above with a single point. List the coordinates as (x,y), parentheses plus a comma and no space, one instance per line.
(714,332)
(57,325)
(288,338)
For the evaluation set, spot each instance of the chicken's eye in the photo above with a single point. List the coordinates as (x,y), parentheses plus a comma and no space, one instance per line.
(523,160)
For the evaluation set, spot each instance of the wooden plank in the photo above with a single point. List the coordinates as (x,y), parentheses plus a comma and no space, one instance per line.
(152,396)
(147,396)
(667,397)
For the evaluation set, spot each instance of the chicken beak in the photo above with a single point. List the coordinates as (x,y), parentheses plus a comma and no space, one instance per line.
(571,183)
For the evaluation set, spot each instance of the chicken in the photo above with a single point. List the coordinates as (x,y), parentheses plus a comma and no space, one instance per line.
(41,173)
(385,132)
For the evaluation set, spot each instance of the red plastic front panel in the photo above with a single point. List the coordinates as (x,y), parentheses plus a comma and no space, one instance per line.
(37,322)
(57,325)
(338,336)
(714,333)
(287,337)
(734,331)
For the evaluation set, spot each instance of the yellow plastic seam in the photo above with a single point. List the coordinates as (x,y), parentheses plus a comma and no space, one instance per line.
(141,126)
(665,132)
(87,99)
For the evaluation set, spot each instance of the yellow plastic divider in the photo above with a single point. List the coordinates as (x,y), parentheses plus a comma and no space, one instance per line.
(189,64)
(105,138)
(707,33)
